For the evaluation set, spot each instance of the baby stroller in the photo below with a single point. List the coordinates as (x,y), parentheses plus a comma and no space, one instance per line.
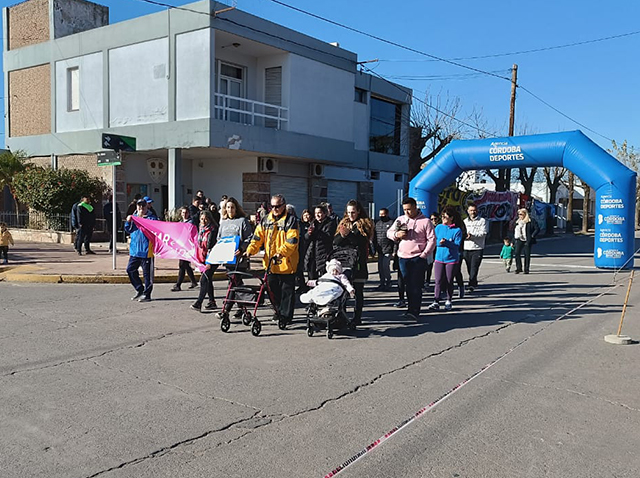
(337,314)
(247,298)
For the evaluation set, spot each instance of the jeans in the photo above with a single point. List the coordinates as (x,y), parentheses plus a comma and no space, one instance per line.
(473,260)
(520,247)
(384,269)
(83,236)
(413,270)
(282,287)
(147,271)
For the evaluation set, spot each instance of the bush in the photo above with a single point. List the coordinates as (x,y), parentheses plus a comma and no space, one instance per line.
(55,191)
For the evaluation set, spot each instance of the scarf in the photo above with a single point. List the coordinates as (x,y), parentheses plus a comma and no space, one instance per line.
(87,206)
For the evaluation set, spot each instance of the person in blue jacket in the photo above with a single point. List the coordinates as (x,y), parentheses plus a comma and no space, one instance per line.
(447,258)
(140,254)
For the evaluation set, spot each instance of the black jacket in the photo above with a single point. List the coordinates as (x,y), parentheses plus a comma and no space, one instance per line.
(359,243)
(106,213)
(383,245)
(532,231)
(319,244)
(86,219)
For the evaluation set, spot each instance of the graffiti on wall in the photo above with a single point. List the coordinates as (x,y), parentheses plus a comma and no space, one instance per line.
(492,205)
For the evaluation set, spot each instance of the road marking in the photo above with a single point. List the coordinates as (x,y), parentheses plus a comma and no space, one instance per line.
(446,395)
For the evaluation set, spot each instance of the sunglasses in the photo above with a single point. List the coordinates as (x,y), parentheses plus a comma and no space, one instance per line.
(277,206)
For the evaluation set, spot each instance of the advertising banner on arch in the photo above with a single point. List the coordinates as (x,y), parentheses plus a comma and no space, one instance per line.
(611,230)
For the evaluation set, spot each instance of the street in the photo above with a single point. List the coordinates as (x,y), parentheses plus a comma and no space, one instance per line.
(95,385)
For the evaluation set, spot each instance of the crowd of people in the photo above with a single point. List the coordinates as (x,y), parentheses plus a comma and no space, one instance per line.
(298,249)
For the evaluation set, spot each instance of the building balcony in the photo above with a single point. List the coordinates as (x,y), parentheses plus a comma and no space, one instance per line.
(250,112)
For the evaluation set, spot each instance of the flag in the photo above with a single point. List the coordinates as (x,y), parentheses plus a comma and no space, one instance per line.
(171,240)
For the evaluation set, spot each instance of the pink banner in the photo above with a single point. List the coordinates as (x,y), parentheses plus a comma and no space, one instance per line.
(171,240)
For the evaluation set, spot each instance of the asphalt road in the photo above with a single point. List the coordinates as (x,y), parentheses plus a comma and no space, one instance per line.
(92,384)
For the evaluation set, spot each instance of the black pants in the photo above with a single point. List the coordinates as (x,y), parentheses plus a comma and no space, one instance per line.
(413,270)
(520,247)
(401,286)
(83,236)
(282,288)
(473,259)
(113,238)
(4,252)
(147,271)
(359,287)
(185,268)
(206,284)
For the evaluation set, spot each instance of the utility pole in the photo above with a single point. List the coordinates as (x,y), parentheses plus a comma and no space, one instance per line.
(512,116)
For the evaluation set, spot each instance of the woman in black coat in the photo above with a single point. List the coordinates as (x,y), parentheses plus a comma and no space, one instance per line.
(525,235)
(319,242)
(355,230)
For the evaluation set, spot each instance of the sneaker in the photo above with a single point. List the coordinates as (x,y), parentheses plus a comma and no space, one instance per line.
(470,289)
(410,315)
(144,298)
(176,288)
(196,306)
(79,253)
(138,295)
(211,305)
(238,314)
(448,305)
(91,252)
(518,272)
(400,304)
(461,291)
(193,285)
(380,288)
(526,272)
(434,306)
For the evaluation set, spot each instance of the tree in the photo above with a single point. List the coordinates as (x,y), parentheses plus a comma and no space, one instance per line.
(10,165)
(631,159)
(55,191)
(554,177)
(432,128)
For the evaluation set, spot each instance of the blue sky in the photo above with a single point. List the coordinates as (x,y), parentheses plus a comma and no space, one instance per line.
(595,84)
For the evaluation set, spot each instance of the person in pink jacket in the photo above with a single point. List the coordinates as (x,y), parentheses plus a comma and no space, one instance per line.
(416,240)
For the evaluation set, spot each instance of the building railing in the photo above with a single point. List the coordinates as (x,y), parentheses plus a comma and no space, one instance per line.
(43,222)
(254,113)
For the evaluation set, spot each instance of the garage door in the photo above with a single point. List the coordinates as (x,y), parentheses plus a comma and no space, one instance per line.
(294,189)
(339,193)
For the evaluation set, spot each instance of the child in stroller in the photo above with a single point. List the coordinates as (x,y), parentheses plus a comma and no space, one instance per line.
(327,300)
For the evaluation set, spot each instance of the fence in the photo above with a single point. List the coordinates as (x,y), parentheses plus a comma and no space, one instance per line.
(41,221)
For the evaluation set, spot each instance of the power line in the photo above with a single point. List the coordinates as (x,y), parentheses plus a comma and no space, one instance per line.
(563,114)
(389,42)
(524,52)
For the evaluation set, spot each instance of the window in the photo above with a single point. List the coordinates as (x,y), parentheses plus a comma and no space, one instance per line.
(385,126)
(361,96)
(73,89)
(397,178)
(375,175)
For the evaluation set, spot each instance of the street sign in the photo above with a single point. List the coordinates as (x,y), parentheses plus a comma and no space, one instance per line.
(108,158)
(118,143)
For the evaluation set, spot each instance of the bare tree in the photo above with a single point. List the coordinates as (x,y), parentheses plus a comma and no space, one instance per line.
(554,177)
(630,157)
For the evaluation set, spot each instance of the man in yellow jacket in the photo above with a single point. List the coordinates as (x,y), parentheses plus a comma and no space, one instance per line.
(279,234)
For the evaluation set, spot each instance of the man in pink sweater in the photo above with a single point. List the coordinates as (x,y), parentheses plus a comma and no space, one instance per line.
(417,242)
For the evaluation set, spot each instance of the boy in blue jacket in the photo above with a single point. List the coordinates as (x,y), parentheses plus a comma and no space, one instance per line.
(140,254)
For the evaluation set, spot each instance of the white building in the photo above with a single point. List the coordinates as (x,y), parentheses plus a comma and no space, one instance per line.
(228,103)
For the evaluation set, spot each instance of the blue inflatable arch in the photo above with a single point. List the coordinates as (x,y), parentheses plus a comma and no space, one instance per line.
(614,183)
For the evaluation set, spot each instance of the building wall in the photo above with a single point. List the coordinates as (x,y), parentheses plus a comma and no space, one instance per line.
(139,84)
(222,176)
(91,112)
(28,23)
(193,72)
(321,99)
(74,16)
(30,101)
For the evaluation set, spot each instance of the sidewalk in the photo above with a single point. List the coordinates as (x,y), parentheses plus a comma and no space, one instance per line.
(59,263)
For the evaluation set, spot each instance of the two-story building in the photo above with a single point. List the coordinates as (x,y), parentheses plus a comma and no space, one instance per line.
(224,102)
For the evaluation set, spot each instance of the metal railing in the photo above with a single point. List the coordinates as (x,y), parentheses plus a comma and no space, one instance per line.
(254,113)
(43,222)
